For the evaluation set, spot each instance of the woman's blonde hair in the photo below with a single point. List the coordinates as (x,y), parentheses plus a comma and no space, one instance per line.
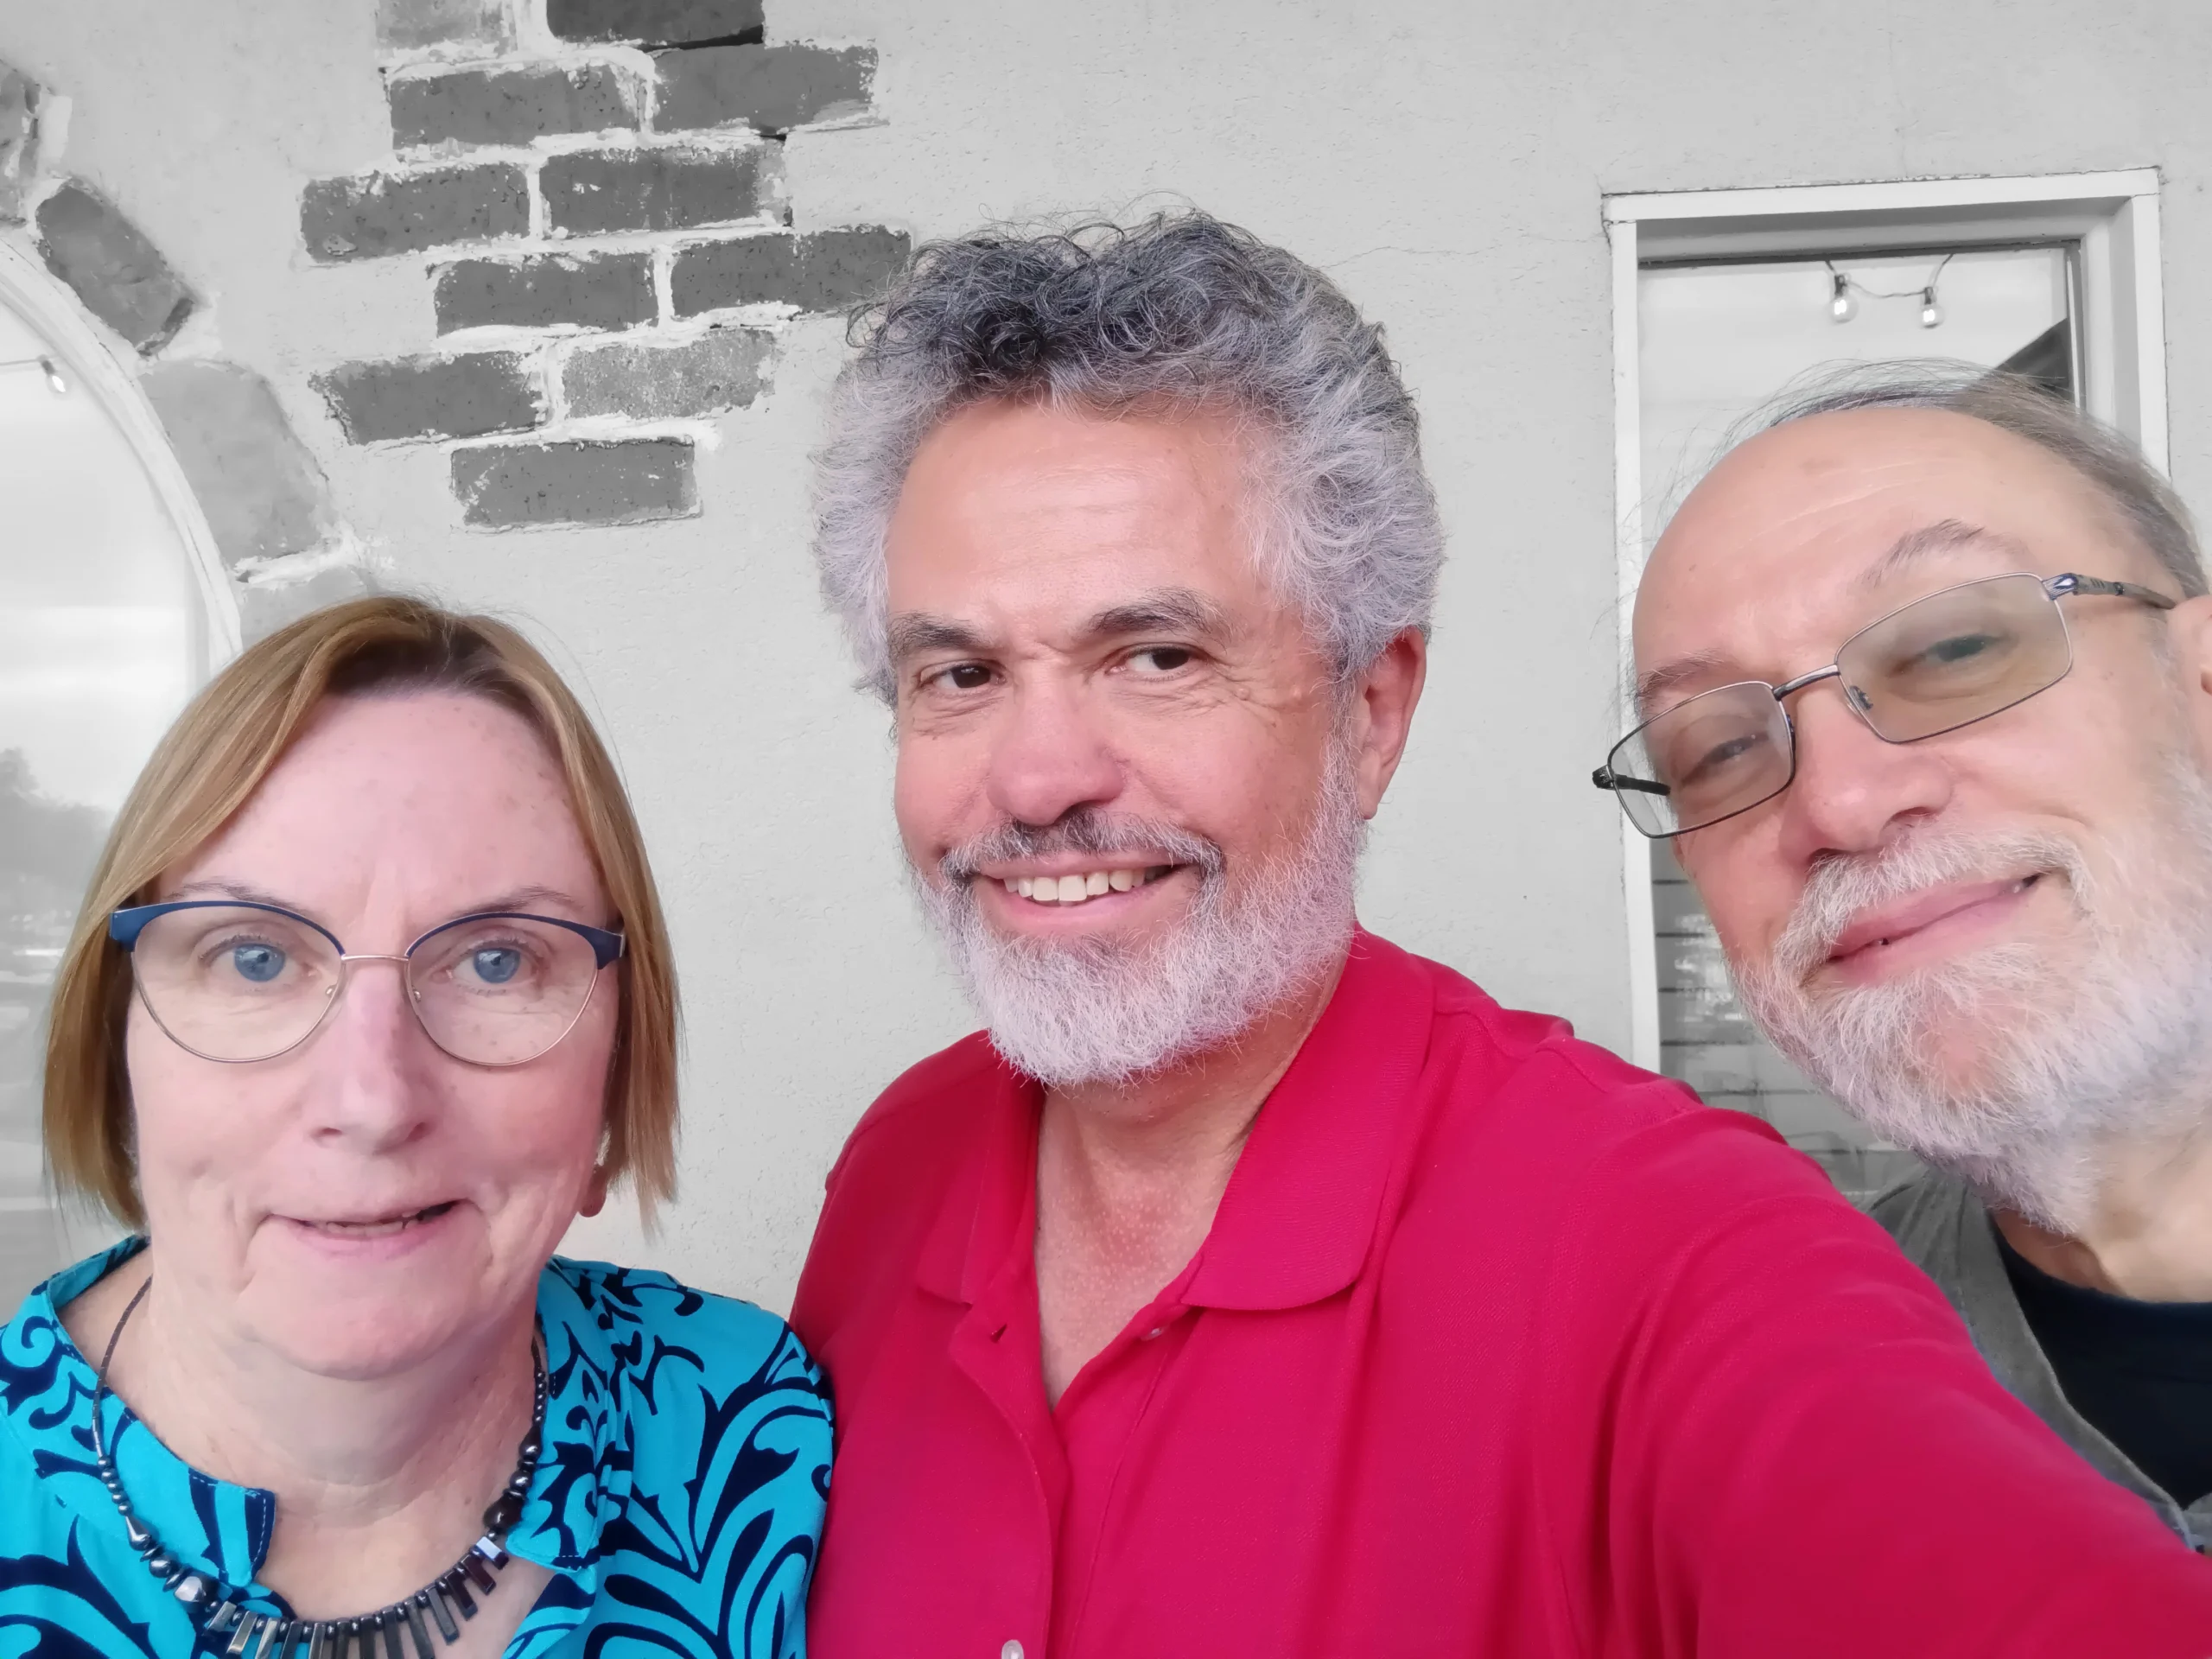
(214,759)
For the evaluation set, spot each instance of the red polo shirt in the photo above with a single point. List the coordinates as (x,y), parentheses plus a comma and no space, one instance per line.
(1497,1347)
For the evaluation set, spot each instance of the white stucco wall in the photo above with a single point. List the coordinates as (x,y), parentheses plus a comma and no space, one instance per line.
(1445,161)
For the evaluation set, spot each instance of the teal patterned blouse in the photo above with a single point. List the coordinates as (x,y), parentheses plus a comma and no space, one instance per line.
(678,1500)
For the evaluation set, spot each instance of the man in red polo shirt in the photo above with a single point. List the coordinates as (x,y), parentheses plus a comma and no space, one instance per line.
(1254,1288)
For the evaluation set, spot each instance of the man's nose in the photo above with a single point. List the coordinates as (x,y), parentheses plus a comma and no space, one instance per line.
(1050,754)
(1853,791)
(375,1060)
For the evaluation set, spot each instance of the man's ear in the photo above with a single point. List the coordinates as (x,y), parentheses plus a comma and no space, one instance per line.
(1383,715)
(2188,637)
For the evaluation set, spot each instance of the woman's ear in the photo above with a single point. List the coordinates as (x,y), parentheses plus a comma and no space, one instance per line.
(595,1195)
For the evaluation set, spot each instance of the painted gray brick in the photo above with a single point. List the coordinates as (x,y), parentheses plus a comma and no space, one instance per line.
(463,396)
(769,88)
(110,265)
(654,22)
(826,271)
(18,140)
(261,489)
(633,480)
(591,191)
(723,369)
(404,24)
(592,290)
(373,215)
(509,106)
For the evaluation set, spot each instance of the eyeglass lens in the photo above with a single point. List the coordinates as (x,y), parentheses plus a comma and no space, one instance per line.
(248,983)
(1938,664)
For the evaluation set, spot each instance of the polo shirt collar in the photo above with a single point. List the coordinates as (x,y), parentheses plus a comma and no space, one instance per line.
(1298,1219)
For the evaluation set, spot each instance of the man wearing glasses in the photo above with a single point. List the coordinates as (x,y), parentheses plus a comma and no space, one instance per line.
(1255,1287)
(1926,674)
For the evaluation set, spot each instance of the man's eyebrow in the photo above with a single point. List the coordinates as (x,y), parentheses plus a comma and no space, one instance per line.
(1930,541)
(914,632)
(1650,688)
(1164,610)
(1946,536)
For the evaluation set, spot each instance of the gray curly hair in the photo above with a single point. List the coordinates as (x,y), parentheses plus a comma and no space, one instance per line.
(1181,311)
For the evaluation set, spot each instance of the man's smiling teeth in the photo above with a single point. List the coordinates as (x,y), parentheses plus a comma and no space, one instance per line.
(379,1228)
(1074,889)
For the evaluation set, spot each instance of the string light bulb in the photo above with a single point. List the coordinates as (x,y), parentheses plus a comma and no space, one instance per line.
(1842,308)
(54,379)
(1931,314)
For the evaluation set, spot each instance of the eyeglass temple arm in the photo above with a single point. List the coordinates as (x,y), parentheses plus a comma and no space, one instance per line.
(2059,587)
(1606,778)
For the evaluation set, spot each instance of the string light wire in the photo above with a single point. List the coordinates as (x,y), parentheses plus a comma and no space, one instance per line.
(46,365)
(1843,309)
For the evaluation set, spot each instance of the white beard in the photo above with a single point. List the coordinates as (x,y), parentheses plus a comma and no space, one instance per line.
(2065,1065)
(1106,1011)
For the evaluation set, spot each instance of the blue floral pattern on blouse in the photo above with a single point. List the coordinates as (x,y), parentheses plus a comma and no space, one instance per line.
(678,1500)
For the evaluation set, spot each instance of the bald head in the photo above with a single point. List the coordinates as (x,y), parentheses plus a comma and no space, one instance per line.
(1960,931)
(1820,526)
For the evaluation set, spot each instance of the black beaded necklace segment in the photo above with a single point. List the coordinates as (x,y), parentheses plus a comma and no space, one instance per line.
(445,1601)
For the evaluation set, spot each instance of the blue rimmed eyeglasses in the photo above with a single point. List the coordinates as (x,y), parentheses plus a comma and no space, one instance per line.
(231,981)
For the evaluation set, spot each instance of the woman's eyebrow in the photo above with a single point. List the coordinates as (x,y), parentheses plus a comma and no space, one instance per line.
(237,890)
(514,899)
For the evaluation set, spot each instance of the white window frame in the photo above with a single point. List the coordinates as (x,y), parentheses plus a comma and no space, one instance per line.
(89,362)
(2120,323)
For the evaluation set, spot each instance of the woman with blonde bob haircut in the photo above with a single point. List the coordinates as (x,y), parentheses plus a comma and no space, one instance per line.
(337,1389)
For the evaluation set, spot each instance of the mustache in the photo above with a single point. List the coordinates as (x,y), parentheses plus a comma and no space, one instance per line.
(1084,830)
(1843,885)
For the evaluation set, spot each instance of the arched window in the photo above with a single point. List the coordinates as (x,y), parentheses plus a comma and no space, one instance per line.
(113,610)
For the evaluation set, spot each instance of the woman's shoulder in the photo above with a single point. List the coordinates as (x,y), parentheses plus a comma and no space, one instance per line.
(655,1334)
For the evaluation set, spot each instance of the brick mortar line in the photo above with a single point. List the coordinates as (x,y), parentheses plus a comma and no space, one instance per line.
(702,429)
(761,317)
(417,65)
(732,137)
(589,241)
(635,59)
(417,159)
(663,266)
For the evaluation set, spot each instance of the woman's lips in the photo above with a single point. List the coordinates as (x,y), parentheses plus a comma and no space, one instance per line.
(362,1229)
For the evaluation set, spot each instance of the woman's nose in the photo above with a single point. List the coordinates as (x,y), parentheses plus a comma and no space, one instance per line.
(374,1056)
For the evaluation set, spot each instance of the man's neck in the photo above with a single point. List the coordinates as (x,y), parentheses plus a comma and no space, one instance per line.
(2149,1234)
(1130,1176)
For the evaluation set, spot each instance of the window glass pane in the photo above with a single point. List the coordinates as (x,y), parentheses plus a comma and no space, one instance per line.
(1717,341)
(99,647)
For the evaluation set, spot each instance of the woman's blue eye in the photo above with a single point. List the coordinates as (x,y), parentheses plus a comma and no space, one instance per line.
(258,962)
(496,966)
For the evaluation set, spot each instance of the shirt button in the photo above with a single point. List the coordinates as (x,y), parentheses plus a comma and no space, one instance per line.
(1012,1650)
(1150,1334)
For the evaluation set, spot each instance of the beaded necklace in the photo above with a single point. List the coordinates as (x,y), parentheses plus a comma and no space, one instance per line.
(445,1600)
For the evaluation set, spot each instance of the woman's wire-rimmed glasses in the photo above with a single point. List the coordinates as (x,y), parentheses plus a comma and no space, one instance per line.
(235,982)
(1957,656)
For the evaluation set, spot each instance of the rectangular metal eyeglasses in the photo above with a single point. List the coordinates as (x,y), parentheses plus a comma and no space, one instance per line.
(1955,656)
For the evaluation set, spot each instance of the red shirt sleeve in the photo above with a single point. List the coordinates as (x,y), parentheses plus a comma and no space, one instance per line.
(1776,1412)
